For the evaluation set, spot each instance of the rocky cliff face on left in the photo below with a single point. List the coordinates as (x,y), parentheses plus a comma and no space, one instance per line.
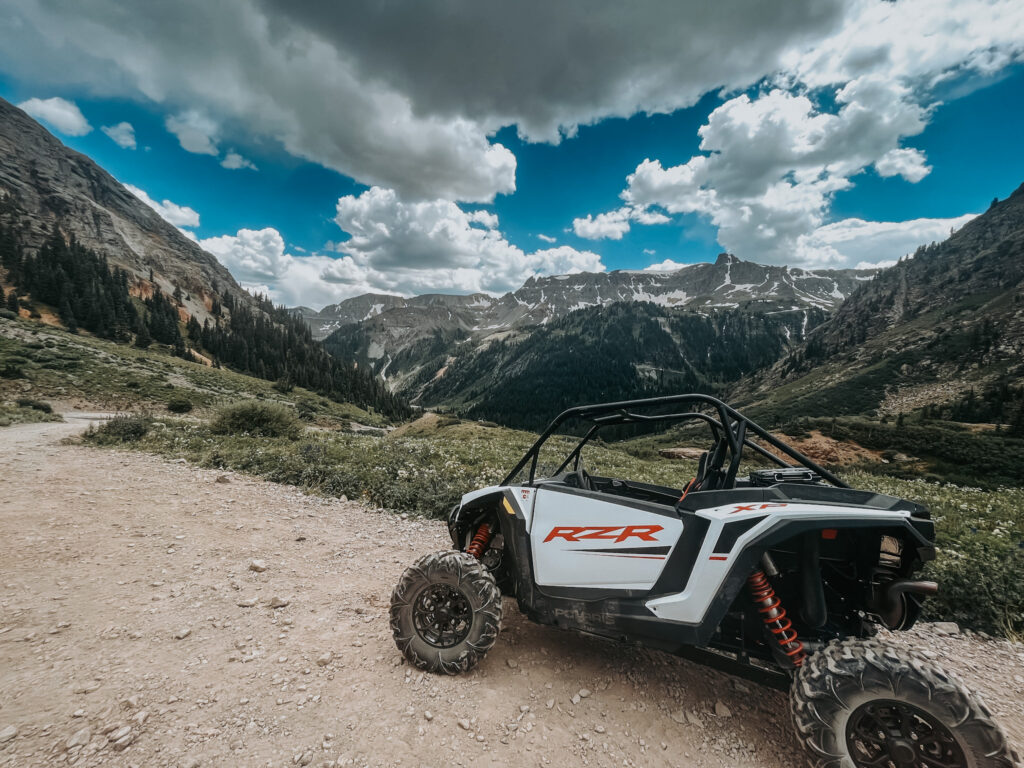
(52,185)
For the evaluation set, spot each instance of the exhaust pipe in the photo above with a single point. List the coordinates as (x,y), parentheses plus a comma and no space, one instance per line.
(891,605)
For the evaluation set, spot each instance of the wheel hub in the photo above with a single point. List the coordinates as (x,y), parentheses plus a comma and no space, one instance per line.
(442,615)
(894,734)
(902,751)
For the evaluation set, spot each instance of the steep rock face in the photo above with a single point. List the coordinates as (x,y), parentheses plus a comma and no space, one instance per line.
(923,332)
(56,186)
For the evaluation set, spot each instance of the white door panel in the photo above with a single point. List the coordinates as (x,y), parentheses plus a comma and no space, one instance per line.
(582,541)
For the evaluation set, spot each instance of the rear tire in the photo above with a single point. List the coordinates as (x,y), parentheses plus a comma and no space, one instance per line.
(862,702)
(445,612)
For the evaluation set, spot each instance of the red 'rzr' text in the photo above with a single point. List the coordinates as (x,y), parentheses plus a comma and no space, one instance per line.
(616,533)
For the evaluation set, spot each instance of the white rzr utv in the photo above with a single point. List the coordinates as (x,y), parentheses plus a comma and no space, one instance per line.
(781,576)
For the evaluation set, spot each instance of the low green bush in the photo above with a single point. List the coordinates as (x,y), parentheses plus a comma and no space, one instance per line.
(258,419)
(128,428)
(36,405)
(306,410)
(179,404)
(979,583)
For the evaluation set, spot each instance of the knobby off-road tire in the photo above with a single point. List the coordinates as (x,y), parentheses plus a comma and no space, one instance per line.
(852,691)
(445,612)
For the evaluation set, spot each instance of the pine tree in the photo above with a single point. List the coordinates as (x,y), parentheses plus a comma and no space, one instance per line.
(194,330)
(12,301)
(67,317)
(142,337)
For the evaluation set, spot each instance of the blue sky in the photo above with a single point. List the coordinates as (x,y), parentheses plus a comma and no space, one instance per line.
(386,174)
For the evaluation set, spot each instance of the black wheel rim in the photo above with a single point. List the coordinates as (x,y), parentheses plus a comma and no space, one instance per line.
(894,734)
(442,616)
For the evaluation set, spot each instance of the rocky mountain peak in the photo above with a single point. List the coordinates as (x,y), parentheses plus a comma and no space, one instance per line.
(52,185)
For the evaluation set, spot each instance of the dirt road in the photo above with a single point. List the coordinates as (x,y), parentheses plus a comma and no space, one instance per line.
(133,631)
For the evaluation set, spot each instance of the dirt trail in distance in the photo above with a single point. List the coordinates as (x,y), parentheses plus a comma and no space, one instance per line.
(133,632)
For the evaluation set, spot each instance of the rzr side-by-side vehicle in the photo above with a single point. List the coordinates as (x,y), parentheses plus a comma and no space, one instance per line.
(782,576)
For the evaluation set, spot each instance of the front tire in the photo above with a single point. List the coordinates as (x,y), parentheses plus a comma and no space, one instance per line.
(445,612)
(863,703)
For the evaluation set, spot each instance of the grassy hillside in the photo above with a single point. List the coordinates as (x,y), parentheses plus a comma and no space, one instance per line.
(78,371)
(931,331)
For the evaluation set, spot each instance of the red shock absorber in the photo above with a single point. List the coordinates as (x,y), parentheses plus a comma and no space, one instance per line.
(773,615)
(479,544)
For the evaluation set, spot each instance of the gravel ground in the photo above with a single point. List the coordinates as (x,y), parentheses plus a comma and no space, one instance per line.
(154,614)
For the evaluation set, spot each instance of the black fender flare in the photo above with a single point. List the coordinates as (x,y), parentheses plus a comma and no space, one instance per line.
(747,561)
(466,518)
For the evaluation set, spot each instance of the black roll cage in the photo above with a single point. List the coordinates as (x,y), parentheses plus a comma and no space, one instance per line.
(731,425)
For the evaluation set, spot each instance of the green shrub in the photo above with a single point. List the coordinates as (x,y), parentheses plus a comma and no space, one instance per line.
(36,405)
(129,428)
(179,404)
(979,583)
(259,419)
(306,409)
(6,314)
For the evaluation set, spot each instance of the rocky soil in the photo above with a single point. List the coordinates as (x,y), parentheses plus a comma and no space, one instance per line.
(154,614)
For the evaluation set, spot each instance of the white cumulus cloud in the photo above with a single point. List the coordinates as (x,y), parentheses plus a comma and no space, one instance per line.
(665,266)
(434,245)
(873,244)
(58,113)
(771,164)
(196,132)
(122,134)
(253,256)
(614,224)
(394,247)
(178,215)
(234,161)
(908,163)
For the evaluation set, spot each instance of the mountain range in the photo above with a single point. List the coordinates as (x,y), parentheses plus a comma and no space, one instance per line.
(942,330)
(727,283)
(465,351)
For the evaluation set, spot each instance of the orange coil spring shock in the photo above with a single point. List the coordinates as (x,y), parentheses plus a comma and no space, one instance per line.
(480,541)
(774,617)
